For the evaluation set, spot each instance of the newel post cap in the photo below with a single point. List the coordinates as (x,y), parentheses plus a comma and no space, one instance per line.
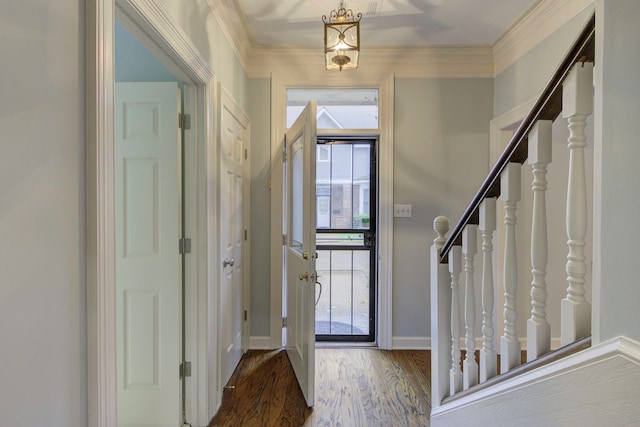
(441,226)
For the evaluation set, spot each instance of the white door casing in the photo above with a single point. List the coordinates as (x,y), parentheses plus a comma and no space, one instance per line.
(171,45)
(300,248)
(234,130)
(148,265)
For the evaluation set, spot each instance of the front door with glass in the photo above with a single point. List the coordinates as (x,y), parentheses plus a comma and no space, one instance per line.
(345,240)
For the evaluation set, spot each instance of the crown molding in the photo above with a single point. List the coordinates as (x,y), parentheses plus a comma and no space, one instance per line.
(543,20)
(431,62)
(235,27)
(540,22)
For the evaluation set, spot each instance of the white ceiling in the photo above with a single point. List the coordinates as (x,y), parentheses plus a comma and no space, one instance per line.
(386,23)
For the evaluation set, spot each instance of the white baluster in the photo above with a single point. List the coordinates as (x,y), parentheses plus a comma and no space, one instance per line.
(538,328)
(510,346)
(440,317)
(455,265)
(488,361)
(469,248)
(577,104)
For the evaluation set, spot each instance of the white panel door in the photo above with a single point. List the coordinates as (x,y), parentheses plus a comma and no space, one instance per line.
(300,248)
(148,265)
(233,137)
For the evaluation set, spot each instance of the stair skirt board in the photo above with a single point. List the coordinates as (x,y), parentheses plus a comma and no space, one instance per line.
(597,386)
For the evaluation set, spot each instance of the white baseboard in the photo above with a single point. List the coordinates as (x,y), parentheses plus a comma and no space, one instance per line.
(260,343)
(411,343)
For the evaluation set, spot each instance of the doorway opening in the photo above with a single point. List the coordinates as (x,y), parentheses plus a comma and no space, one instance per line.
(150,217)
(346,206)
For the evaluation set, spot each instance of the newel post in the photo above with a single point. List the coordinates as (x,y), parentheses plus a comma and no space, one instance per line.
(440,316)
(577,105)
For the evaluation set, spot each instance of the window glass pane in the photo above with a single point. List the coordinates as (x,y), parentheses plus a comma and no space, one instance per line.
(345,108)
(297,182)
(341,188)
(343,292)
(343,182)
(361,185)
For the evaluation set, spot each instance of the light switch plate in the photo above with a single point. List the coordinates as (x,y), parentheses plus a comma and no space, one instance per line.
(402,211)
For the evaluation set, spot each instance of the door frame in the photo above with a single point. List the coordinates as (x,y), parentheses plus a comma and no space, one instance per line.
(152,25)
(385,84)
(374,142)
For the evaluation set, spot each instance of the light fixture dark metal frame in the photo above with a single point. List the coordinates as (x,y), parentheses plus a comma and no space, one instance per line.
(341,55)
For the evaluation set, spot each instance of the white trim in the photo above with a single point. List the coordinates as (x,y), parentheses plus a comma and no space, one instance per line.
(385,213)
(618,346)
(543,20)
(190,316)
(260,343)
(422,62)
(163,35)
(411,343)
(276,187)
(101,302)
(279,83)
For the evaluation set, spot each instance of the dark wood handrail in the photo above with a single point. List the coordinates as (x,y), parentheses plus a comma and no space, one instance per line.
(547,107)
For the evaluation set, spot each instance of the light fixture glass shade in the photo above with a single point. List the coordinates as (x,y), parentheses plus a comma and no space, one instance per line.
(341,39)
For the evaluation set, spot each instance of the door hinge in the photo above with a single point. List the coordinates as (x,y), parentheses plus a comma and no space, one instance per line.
(185,369)
(284,322)
(245,235)
(245,315)
(184,246)
(284,239)
(246,154)
(184,121)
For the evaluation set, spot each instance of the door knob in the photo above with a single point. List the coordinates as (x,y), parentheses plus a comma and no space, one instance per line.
(228,262)
(303,276)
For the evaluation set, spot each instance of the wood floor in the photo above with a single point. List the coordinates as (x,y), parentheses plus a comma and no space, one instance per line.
(354,387)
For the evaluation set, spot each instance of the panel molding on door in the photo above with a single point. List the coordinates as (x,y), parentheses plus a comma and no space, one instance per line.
(233,139)
(300,274)
(148,265)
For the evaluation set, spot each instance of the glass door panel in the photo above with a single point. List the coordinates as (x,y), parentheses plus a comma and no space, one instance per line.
(345,240)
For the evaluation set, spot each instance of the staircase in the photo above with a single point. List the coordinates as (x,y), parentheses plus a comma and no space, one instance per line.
(570,377)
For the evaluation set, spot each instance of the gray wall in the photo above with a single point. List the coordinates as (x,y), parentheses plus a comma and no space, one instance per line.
(42,204)
(260,114)
(441,155)
(441,139)
(42,215)
(525,79)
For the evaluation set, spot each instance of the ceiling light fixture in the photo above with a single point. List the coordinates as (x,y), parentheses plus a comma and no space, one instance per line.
(341,39)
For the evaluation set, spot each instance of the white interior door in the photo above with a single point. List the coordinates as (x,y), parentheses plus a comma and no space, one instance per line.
(148,265)
(300,248)
(233,137)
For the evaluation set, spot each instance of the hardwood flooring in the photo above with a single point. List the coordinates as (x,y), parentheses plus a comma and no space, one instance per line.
(354,387)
